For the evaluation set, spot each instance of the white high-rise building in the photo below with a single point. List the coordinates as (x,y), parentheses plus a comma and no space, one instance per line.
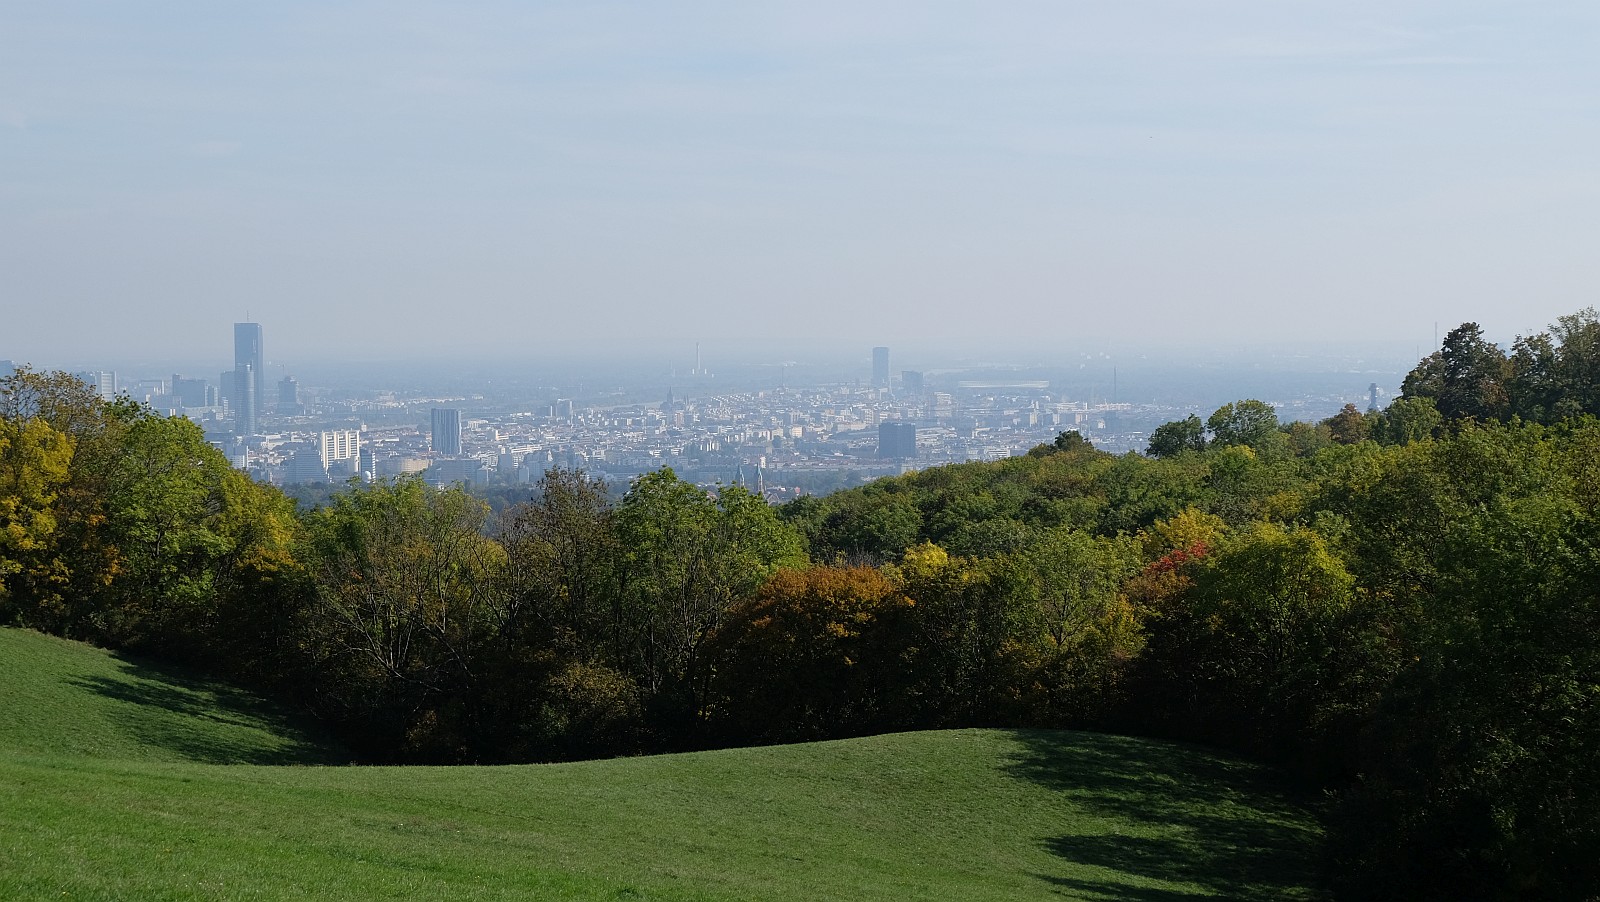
(103,383)
(335,455)
(341,452)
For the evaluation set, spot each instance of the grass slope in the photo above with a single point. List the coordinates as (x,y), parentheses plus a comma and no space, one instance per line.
(968,814)
(61,698)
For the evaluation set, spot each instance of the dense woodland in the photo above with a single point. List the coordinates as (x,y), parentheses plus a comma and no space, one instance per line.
(1403,605)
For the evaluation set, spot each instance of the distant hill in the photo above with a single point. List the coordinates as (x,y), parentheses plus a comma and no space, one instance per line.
(110,789)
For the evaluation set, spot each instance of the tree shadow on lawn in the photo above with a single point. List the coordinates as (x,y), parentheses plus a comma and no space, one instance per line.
(202,720)
(1196,818)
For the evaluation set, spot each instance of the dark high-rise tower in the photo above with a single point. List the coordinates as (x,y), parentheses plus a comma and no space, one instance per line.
(446,431)
(249,376)
(247,404)
(880,367)
(289,397)
(192,392)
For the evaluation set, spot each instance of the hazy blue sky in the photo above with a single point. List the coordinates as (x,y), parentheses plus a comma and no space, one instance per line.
(387,177)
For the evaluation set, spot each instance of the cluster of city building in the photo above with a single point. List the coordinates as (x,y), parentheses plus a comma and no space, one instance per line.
(781,441)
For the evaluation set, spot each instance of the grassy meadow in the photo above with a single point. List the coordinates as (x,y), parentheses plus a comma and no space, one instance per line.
(123,780)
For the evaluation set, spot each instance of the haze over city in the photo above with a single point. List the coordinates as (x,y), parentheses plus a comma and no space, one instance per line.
(383,181)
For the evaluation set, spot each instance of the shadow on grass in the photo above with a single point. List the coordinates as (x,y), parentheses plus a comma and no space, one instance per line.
(1189,817)
(202,720)
(1107,891)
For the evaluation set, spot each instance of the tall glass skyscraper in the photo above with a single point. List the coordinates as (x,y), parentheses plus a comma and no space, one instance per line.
(446,431)
(880,366)
(249,376)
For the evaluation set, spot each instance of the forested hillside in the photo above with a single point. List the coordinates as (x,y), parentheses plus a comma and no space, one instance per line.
(1400,605)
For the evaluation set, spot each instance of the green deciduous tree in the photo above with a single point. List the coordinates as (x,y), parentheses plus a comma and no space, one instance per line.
(970,616)
(875,527)
(1556,374)
(1077,579)
(1306,439)
(1260,654)
(563,563)
(1077,630)
(405,578)
(1479,778)
(1408,420)
(163,510)
(1250,422)
(1349,426)
(1072,442)
(1138,491)
(1465,378)
(1178,436)
(684,558)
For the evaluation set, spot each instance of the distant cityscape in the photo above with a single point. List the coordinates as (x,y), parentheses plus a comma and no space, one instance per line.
(781,441)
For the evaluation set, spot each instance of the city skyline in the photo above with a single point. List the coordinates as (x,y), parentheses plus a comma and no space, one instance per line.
(798,432)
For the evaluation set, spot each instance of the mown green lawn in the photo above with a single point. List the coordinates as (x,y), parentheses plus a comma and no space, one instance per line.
(61,699)
(105,794)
